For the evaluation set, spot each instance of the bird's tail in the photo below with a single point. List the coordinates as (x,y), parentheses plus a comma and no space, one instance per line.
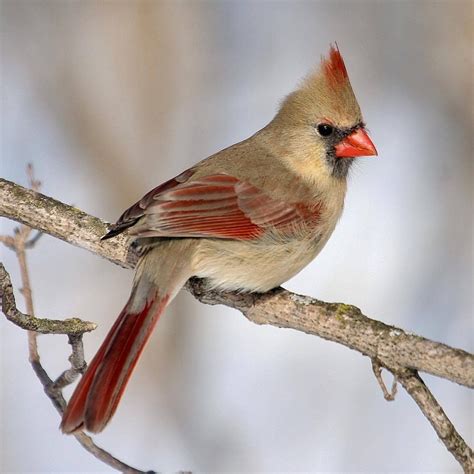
(98,393)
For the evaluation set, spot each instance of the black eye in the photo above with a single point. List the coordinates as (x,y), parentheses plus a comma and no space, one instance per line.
(325,130)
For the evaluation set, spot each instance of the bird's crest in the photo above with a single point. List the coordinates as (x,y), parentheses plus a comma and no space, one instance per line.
(333,68)
(324,93)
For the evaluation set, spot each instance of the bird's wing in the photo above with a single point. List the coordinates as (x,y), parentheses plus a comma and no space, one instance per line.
(219,206)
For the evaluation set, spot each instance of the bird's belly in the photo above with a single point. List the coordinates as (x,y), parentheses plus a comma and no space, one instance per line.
(252,266)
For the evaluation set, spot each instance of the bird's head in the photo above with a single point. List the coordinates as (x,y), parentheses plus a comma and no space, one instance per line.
(323,120)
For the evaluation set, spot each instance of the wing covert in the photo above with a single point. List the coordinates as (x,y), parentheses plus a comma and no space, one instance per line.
(219,206)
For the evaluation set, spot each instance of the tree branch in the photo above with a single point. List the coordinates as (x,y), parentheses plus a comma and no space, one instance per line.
(30,323)
(432,410)
(392,347)
(387,346)
(63,222)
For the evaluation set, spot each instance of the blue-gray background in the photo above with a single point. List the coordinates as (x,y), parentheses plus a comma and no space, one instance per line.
(108,99)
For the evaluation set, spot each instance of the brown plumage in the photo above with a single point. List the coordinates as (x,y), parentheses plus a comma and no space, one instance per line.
(247,218)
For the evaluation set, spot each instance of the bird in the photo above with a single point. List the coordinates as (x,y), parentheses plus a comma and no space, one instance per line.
(246,219)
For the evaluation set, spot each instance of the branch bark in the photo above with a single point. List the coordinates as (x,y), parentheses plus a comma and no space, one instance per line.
(414,385)
(392,347)
(70,326)
(387,346)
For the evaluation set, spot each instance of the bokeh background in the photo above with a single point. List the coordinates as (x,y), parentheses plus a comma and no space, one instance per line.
(108,99)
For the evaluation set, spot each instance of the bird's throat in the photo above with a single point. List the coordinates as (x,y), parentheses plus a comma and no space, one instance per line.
(340,166)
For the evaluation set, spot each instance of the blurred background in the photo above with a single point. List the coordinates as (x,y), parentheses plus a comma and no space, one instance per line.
(109,99)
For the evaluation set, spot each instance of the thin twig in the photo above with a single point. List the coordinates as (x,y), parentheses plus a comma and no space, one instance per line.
(21,236)
(432,410)
(8,241)
(377,369)
(78,365)
(29,244)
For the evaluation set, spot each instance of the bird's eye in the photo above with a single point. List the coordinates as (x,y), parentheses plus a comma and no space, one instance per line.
(324,129)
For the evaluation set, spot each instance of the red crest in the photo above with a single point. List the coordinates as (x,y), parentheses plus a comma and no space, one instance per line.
(333,67)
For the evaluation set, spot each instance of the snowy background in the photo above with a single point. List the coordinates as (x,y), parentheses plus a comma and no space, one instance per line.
(109,99)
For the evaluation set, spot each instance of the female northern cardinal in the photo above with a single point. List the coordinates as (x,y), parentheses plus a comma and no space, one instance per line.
(247,218)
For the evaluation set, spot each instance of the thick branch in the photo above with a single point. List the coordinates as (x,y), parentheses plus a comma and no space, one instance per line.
(394,348)
(62,221)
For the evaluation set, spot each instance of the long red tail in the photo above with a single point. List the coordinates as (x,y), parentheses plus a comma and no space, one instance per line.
(99,391)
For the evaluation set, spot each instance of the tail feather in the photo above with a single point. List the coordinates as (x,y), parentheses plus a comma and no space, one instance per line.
(120,360)
(73,417)
(98,393)
(161,272)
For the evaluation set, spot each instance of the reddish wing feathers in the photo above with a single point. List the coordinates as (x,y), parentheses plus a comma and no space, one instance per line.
(213,206)
(263,210)
(207,207)
(133,213)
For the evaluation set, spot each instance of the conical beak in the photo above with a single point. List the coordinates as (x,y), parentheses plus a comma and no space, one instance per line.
(357,143)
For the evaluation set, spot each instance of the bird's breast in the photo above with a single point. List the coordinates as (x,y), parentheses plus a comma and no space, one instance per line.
(257,265)
(273,257)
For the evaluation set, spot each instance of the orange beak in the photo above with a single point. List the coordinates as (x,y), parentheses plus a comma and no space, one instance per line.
(357,143)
